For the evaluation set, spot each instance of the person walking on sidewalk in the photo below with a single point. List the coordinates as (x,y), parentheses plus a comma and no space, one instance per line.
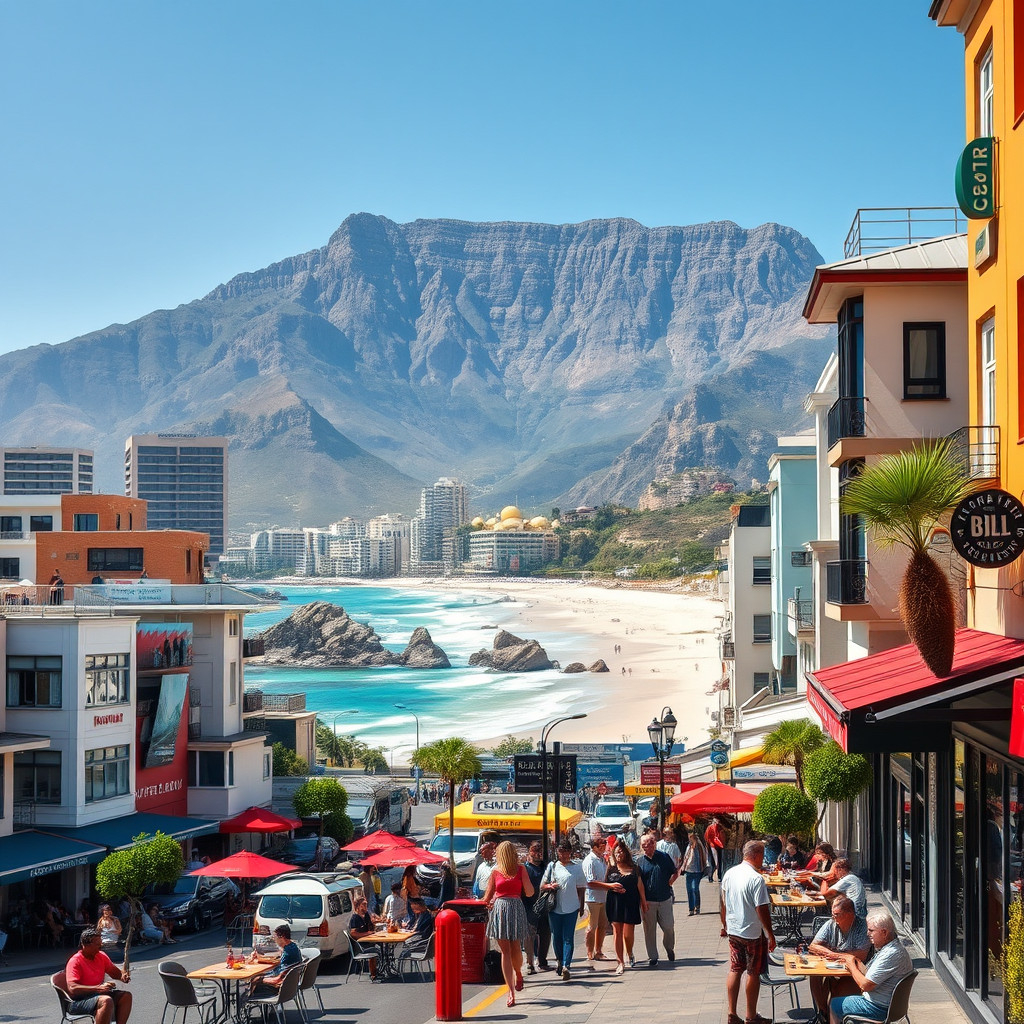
(594,871)
(747,921)
(507,924)
(658,873)
(626,903)
(569,885)
(539,941)
(714,838)
(695,865)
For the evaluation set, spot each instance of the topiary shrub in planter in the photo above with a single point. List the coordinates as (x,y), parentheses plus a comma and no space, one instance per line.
(782,809)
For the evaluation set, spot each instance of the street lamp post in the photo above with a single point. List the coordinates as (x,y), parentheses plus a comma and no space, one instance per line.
(662,736)
(334,725)
(544,733)
(416,767)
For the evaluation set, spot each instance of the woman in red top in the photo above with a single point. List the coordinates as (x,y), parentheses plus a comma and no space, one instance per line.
(507,923)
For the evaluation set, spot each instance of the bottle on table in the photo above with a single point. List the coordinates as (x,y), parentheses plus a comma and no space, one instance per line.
(230,958)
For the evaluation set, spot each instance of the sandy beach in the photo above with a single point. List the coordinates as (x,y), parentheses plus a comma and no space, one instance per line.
(667,652)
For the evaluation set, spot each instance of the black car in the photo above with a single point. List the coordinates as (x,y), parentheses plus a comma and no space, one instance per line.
(312,853)
(193,901)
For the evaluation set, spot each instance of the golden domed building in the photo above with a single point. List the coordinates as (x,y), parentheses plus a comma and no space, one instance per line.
(511,543)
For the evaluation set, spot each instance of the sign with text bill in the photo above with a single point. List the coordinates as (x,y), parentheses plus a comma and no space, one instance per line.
(650,774)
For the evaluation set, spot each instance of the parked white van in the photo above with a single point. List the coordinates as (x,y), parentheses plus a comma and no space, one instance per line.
(316,906)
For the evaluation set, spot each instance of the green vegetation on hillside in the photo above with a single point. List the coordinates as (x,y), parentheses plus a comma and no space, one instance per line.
(661,544)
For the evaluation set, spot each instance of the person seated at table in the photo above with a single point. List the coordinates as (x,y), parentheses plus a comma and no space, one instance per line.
(422,927)
(845,933)
(165,926)
(50,914)
(290,955)
(823,860)
(410,886)
(149,929)
(792,857)
(772,849)
(846,884)
(90,992)
(396,907)
(361,925)
(878,980)
(109,927)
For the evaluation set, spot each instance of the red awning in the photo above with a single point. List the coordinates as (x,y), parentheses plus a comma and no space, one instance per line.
(259,819)
(856,700)
(714,797)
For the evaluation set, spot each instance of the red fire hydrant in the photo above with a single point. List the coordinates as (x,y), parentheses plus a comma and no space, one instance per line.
(448,977)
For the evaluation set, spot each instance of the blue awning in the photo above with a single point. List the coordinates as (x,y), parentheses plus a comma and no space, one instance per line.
(118,833)
(31,854)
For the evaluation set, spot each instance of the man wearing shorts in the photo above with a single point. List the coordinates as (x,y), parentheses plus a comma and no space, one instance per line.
(746,919)
(877,980)
(90,992)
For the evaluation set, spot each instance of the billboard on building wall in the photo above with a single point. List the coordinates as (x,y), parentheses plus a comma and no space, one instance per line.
(163,646)
(161,768)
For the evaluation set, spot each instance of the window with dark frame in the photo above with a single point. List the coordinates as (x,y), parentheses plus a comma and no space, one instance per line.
(34,682)
(37,776)
(106,773)
(10,568)
(762,629)
(115,560)
(106,679)
(924,360)
(762,570)
(86,522)
(801,558)
(40,524)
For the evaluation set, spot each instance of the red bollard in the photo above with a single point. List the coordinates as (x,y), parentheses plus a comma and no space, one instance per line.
(448,975)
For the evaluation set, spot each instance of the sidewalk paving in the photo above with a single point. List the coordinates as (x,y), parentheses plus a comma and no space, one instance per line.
(692,989)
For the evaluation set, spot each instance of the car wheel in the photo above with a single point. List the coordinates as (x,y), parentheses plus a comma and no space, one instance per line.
(196,921)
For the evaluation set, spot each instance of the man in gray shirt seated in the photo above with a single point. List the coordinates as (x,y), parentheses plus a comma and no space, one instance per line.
(878,980)
(845,933)
(846,884)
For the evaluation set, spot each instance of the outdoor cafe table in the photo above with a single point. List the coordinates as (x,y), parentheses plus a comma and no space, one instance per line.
(816,966)
(388,943)
(789,909)
(224,975)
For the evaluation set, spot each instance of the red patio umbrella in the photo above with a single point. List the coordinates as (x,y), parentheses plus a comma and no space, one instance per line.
(715,797)
(245,865)
(379,840)
(259,819)
(402,858)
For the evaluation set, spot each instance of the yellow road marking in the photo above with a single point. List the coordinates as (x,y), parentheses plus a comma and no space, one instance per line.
(485,1002)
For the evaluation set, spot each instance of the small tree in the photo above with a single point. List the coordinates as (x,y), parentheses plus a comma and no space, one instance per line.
(287,762)
(790,743)
(833,775)
(782,809)
(124,874)
(320,797)
(510,746)
(454,760)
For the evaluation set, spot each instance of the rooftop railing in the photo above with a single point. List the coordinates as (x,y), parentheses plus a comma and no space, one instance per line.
(877,228)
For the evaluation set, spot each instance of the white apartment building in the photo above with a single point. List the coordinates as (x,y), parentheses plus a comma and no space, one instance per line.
(398,530)
(47,470)
(443,507)
(276,548)
(21,518)
(510,552)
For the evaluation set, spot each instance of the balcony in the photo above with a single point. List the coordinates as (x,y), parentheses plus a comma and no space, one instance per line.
(252,647)
(846,581)
(287,702)
(875,229)
(252,701)
(845,419)
(977,448)
(801,616)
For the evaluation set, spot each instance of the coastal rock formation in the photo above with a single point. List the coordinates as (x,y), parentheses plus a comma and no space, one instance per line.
(422,652)
(322,634)
(513,654)
(598,666)
(574,666)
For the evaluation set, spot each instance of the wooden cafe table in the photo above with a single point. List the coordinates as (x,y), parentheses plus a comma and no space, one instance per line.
(814,966)
(789,908)
(387,943)
(224,976)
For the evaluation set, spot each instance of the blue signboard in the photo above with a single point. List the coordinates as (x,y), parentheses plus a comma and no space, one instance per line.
(590,776)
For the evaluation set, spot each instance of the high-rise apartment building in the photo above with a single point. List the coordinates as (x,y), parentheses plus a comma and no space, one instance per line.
(45,470)
(442,508)
(184,478)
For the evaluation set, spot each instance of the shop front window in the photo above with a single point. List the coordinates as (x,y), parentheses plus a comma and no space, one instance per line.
(958,865)
(994,850)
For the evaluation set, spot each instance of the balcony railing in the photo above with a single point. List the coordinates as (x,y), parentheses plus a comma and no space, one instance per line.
(801,615)
(846,581)
(284,702)
(252,647)
(875,229)
(845,419)
(252,701)
(978,449)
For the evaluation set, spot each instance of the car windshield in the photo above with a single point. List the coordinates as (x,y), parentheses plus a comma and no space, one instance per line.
(296,848)
(462,844)
(288,908)
(357,811)
(184,886)
(613,811)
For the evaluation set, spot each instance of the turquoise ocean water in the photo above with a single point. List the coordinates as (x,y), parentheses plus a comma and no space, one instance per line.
(460,701)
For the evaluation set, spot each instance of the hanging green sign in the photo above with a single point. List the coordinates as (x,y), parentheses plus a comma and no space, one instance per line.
(975,179)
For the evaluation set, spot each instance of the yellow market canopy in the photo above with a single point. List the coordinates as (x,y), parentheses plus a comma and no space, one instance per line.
(465,818)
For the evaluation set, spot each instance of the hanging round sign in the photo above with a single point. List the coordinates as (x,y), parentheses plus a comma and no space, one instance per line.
(987,528)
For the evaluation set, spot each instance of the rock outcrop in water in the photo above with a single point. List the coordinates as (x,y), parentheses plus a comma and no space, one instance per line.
(322,634)
(422,652)
(513,654)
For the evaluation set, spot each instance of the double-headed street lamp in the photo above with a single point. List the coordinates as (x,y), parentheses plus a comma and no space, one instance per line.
(662,736)
(543,747)
(416,767)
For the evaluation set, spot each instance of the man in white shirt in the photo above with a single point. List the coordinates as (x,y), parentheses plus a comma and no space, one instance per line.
(483,872)
(667,844)
(846,884)
(746,919)
(594,870)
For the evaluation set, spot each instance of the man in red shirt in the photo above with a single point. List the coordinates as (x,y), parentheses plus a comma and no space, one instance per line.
(714,836)
(90,992)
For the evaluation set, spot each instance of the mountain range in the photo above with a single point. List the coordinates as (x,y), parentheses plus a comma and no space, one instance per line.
(542,364)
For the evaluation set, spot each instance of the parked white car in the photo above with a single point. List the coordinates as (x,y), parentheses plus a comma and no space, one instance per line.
(614,815)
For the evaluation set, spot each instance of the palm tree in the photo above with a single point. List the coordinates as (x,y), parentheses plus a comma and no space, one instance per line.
(902,499)
(454,760)
(790,743)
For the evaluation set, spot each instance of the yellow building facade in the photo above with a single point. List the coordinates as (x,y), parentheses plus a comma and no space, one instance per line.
(993,33)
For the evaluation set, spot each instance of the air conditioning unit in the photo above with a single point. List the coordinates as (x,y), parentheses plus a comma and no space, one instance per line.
(729,718)
(714,717)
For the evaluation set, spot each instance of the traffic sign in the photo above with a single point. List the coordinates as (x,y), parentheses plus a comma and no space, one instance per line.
(719,758)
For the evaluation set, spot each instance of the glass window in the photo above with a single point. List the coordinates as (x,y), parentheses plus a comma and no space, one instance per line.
(988,372)
(268,765)
(206,768)
(37,776)
(10,526)
(924,360)
(106,679)
(761,680)
(986,95)
(34,682)
(106,773)
(40,524)
(762,629)
(115,560)
(958,866)
(762,569)
(10,568)
(86,522)
(233,683)
(994,849)
(801,558)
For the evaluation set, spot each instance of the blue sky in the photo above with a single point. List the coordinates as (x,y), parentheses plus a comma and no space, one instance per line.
(152,151)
